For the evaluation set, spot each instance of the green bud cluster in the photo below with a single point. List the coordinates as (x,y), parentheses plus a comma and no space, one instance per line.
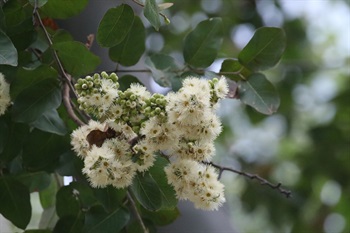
(90,85)
(155,106)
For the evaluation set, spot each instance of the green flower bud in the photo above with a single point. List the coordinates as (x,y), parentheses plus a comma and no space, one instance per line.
(104,75)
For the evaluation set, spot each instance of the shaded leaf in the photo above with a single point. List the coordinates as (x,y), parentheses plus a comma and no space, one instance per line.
(12,136)
(146,191)
(38,231)
(131,49)
(163,67)
(76,58)
(48,195)
(35,181)
(234,70)
(126,80)
(203,43)
(151,13)
(110,197)
(264,50)
(259,93)
(42,150)
(2,20)
(38,3)
(158,175)
(70,224)
(69,164)
(15,202)
(14,13)
(115,25)
(8,52)
(162,217)
(36,100)
(63,9)
(48,218)
(23,34)
(25,78)
(50,122)
(98,221)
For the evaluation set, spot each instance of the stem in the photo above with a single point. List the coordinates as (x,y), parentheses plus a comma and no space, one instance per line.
(262,181)
(68,106)
(136,212)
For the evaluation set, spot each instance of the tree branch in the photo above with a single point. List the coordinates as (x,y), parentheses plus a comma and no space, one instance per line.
(262,181)
(136,212)
(68,106)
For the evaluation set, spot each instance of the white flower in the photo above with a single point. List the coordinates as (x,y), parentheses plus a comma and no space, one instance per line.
(221,88)
(197,183)
(140,91)
(5,99)
(78,137)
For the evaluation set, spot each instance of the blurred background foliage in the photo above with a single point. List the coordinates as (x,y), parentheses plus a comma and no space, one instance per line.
(306,144)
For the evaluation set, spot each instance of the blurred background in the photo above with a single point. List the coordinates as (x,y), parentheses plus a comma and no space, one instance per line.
(305,145)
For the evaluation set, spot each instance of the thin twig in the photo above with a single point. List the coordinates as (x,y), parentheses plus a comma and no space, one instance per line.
(58,61)
(136,212)
(68,106)
(262,181)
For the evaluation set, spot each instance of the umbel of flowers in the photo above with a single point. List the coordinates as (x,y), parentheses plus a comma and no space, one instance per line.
(135,125)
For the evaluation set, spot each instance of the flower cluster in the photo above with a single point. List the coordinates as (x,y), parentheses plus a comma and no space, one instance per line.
(134,124)
(5,99)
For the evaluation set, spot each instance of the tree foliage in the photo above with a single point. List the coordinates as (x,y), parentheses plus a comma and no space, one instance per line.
(41,62)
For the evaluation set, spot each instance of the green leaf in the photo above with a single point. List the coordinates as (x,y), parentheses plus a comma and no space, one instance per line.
(151,13)
(126,80)
(23,34)
(14,13)
(259,93)
(42,150)
(12,136)
(98,221)
(234,70)
(167,192)
(146,191)
(50,122)
(128,52)
(163,67)
(70,224)
(110,197)
(162,217)
(15,202)
(38,3)
(35,181)
(115,25)
(48,195)
(2,20)
(69,164)
(63,9)
(264,50)
(48,218)
(8,52)
(203,43)
(36,100)
(76,58)
(25,78)
(38,231)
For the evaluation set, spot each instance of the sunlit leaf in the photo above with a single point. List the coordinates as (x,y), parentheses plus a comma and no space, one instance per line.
(264,50)
(259,93)
(115,25)
(36,100)
(63,9)
(203,43)
(8,52)
(128,52)
(15,202)
(76,58)
(234,70)
(151,12)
